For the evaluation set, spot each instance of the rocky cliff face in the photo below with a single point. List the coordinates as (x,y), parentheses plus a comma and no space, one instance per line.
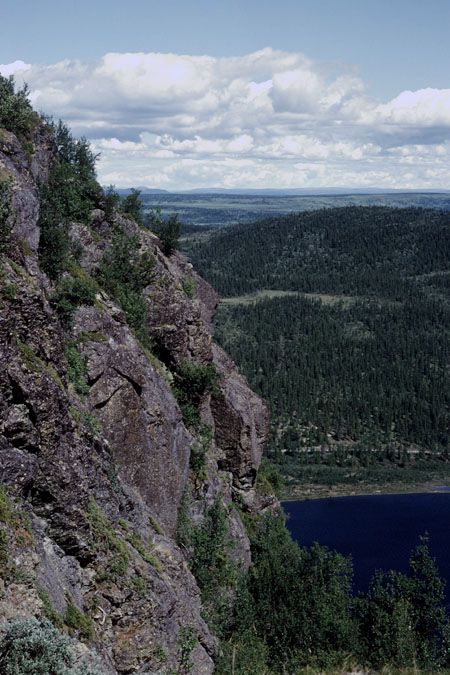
(92,483)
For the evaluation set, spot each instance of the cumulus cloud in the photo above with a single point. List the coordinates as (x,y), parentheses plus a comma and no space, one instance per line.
(270,118)
(11,68)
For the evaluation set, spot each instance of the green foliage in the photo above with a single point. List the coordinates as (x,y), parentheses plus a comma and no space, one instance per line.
(35,647)
(293,611)
(144,550)
(124,273)
(402,619)
(8,515)
(107,540)
(16,113)
(112,202)
(199,448)
(184,522)
(71,293)
(192,381)
(131,205)
(29,357)
(187,641)
(79,625)
(269,474)
(76,368)
(5,212)
(155,525)
(91,423)
(298,600)
(9,291)
(139,585)
(91,336)
(168,230)
(50,613)
(69,195)
(351,351)
(210,562)
(189,286)
(197,460)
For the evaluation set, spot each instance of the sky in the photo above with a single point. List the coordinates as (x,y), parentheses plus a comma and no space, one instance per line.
(243,93)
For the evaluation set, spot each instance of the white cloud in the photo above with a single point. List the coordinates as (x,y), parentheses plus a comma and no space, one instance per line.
(11,68)
(269,118)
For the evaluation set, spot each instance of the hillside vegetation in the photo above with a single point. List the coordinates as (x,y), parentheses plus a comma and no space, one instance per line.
(340,318)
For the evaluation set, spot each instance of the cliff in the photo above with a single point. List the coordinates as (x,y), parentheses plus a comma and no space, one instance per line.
(98,454)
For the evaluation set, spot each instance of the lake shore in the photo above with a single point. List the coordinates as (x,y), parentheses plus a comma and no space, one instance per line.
(308,491)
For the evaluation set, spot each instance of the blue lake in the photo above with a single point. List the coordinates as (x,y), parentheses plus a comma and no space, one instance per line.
(378,532)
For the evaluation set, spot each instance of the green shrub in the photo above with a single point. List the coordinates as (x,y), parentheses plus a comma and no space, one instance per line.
(79,625)
(3,553)
(144,551)
(50,613)
(269,475)
(70,293)
(91,423)
(112,202)
(189,286)
(35,647)
(168,230)
(76,368)
(155,525)
(402,619)
(16,113)
(131,205)
(192,381)
(210,563)
(9,291)
(197,460)
(106,538)
(69,196)
(124,273)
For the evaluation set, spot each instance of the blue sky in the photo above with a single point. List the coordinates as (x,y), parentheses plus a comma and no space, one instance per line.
(244,93)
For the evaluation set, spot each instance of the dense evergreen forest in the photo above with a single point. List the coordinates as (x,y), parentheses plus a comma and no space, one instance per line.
(353,352)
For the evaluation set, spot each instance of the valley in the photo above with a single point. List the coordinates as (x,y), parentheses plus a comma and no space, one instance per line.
(340,319)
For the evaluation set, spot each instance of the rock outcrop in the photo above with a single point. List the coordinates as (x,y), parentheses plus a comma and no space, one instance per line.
(92,482)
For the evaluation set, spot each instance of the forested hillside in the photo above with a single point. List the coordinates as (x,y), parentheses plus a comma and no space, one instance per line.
(353,353)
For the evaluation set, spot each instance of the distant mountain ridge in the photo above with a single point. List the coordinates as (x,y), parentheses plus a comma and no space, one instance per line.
(285,191)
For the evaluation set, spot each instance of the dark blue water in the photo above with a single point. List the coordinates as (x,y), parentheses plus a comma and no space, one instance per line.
(377,531)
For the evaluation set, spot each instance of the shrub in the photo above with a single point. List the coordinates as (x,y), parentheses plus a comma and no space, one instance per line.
(79,624)
(76,368)
(16,113)
(131,205)
(124,273)
(69,195)
(107,539)
(35,647)
(70,293)
(189,286)
(168,230)
(112,202)
(210,563)
(192,381)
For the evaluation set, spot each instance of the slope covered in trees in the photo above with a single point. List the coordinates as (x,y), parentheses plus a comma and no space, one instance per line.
(353,354)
